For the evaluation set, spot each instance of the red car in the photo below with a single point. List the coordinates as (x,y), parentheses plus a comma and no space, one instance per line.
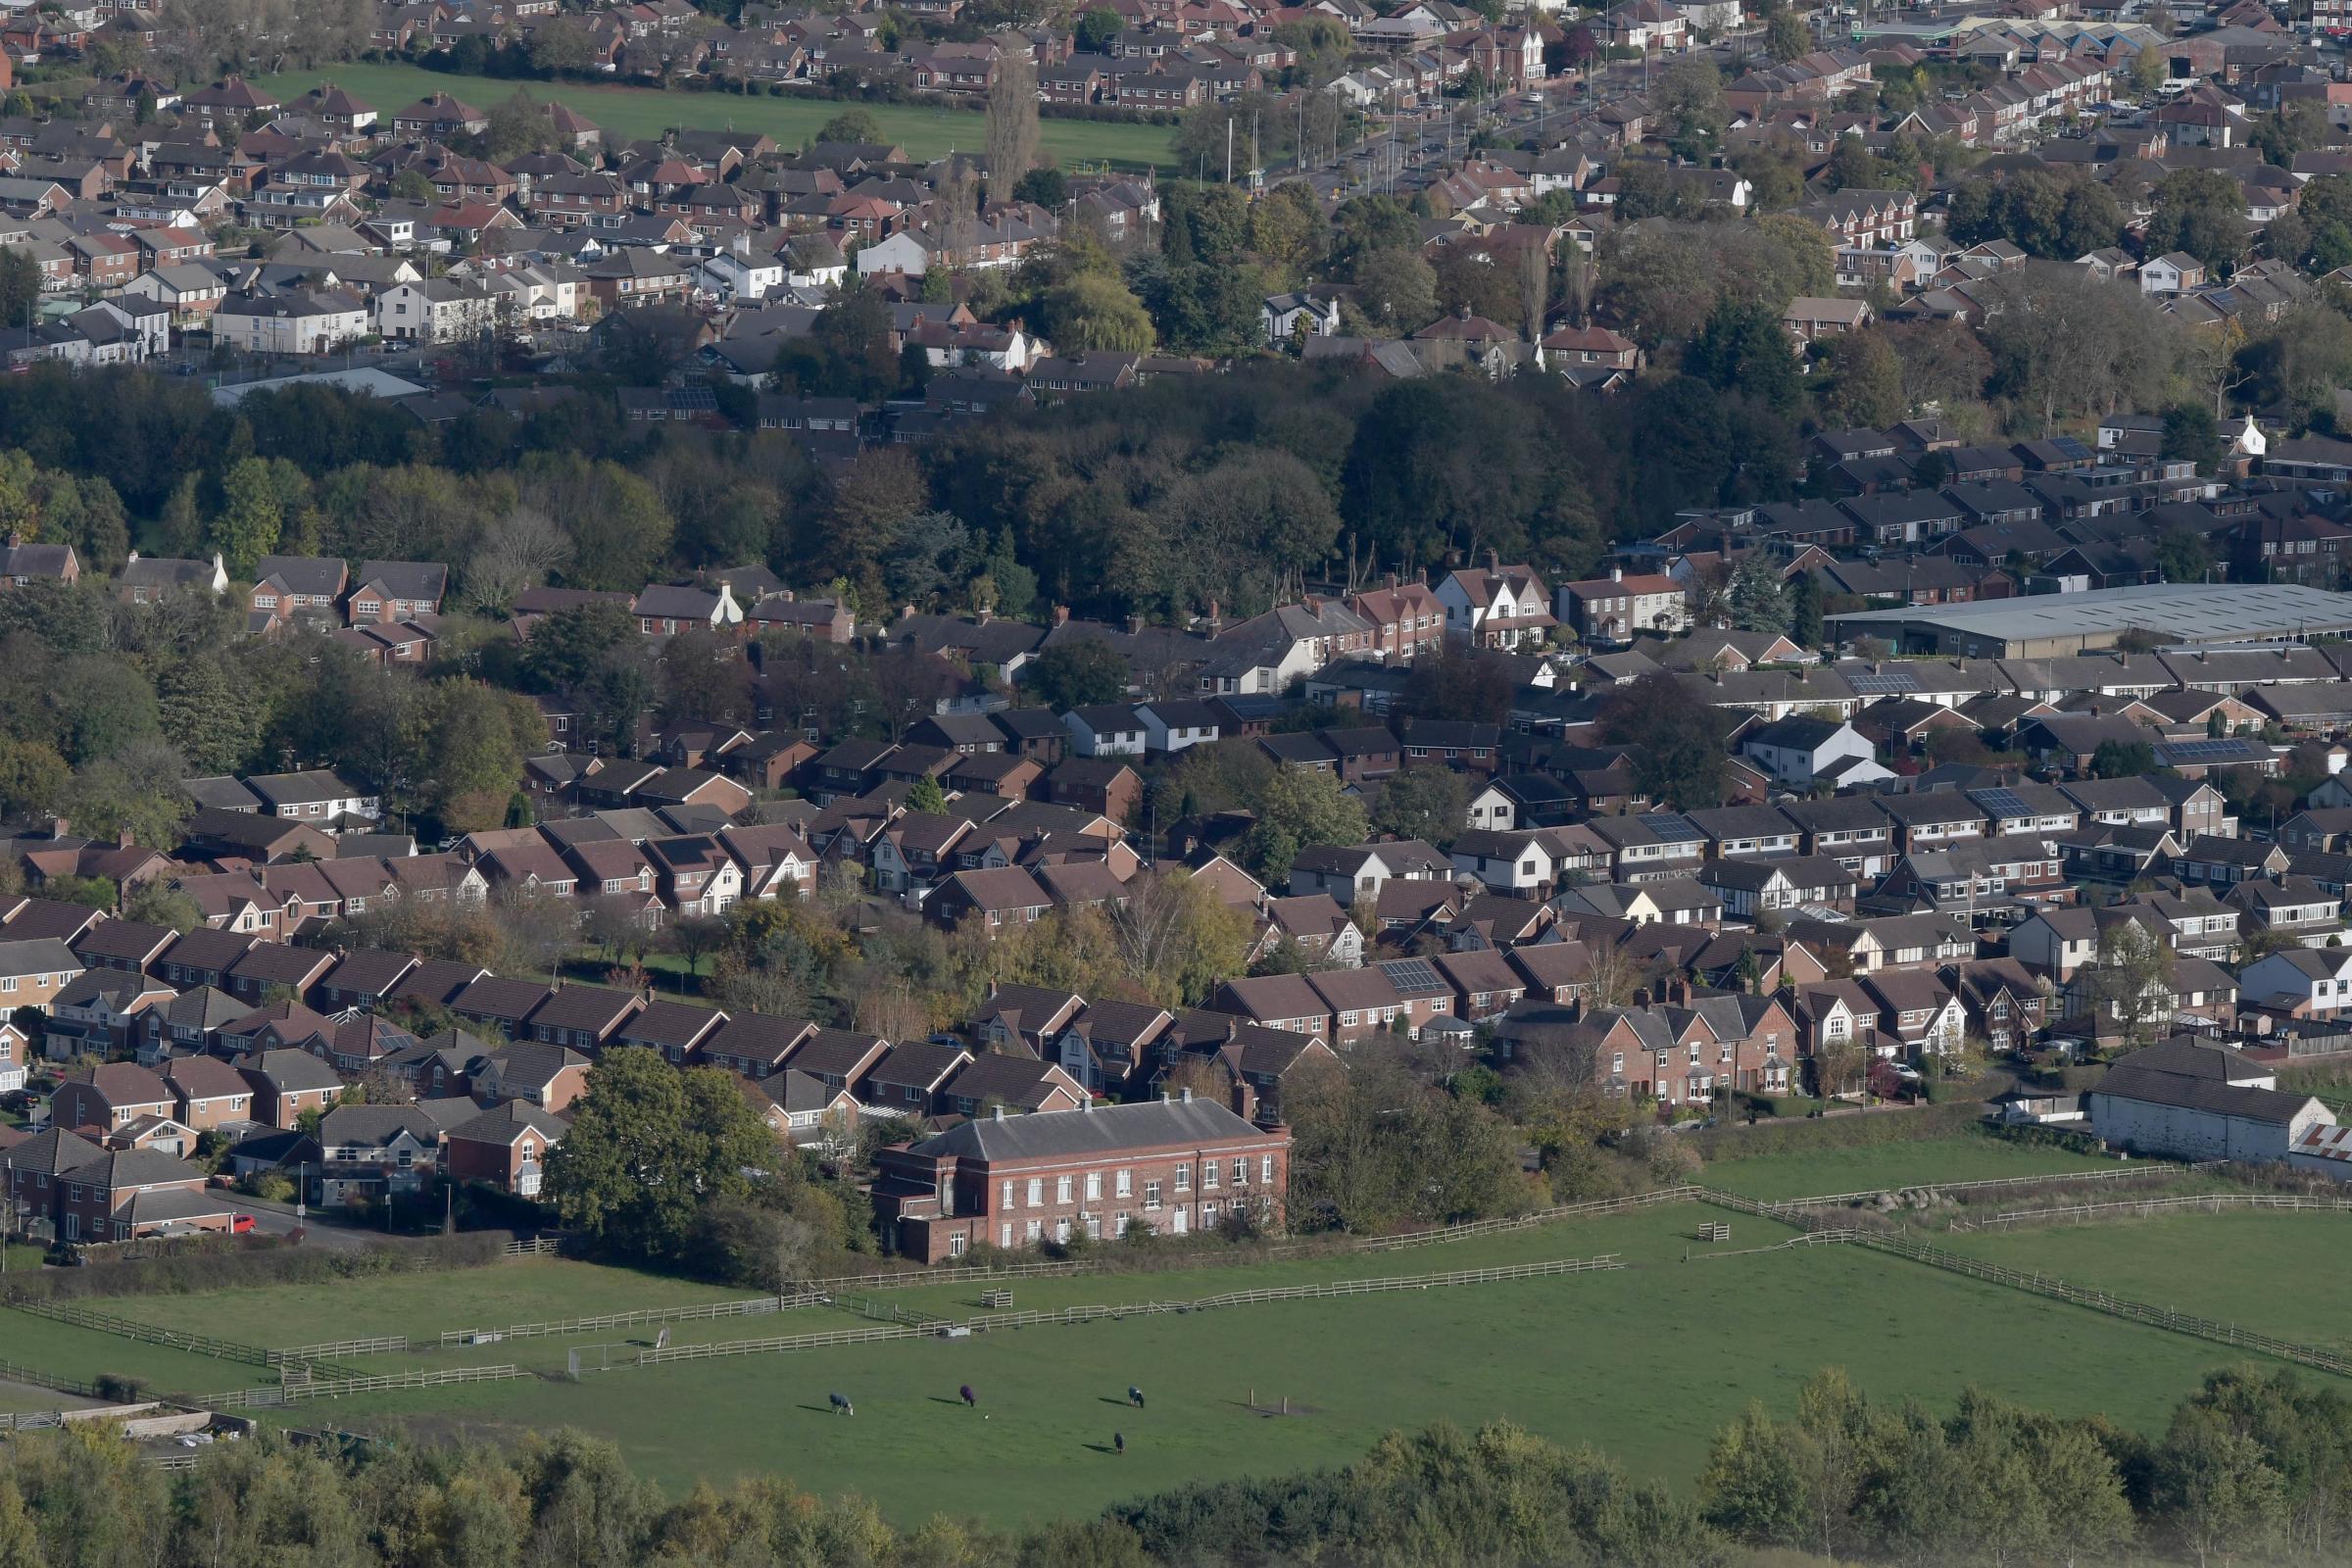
(240,1224)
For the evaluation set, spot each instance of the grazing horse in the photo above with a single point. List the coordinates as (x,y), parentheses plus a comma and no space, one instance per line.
(1118,1442)
(971,1400)
(842,1405)
(1135,1396)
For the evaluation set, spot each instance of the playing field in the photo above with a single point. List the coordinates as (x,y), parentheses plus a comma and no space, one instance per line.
(1960,1156)
(1648,1361)
(630,114)
(2285,1274)
(420,1305)
(63,1350)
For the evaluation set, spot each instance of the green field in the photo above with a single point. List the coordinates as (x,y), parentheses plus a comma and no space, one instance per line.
(629,114)
(420,1305)
(2284,1273)
(1961,1156)
(1647,1362)
(84,1354)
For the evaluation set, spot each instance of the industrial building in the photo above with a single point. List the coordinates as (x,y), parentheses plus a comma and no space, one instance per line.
(2052,625)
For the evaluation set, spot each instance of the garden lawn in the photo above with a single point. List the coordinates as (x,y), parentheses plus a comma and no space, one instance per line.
(1646,1363)
(629,114)
(2285,1274)
(85,1355)
(420,1305)
(1962,1157)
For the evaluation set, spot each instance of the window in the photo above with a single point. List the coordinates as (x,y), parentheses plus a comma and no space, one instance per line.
(1061,1189)
(1126,1183)
(1184,1178)
(1208,1175)
(1093,1185)
(1240,1173)
(1007,1204)
(1150,1196)
(1265,1169)
(1617,1063)
(1035,1229)
(1037,1192)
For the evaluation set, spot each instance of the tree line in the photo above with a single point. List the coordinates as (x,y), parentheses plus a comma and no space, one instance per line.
(2254,1464)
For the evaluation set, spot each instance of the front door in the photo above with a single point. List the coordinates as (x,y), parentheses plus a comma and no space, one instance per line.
(1183,1219)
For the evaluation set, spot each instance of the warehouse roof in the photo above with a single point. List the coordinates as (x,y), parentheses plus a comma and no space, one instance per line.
(2190,613)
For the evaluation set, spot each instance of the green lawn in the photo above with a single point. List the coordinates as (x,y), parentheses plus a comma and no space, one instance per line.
(2285,1274)
(85,1354)
(420,1305)
(1962,1157)
(627,113)
(1647,1362)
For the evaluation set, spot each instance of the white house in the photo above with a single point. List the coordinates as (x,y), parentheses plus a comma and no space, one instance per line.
(317,322)
(1173,725)
(1496,606)
(2303,982)
(1519,862)
(1803,749)
(1282,314)
(2191,1100)
(434,310)
(1106,729)
(1612,609)
(734,276)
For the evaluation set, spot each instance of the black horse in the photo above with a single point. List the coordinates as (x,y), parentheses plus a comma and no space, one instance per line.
(1118,1442)
(971,1400)
(842,1405)
(1135,1396)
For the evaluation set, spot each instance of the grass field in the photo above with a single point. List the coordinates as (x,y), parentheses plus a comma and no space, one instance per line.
(84,1354)
(420,1305)
(1647,1362)
(1962,1157)
(2285,1274)
(627,113)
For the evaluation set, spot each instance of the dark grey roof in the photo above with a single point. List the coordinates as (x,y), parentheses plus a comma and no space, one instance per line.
(1072,1134)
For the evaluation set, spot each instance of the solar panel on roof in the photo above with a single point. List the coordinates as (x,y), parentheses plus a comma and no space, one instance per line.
(1412,974)
(1884,683)
(1671,827)
(2001,803)
(2209,747)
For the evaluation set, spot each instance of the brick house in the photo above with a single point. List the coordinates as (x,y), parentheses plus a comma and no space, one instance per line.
(287,1083)
(90,1194)
(102,1098)
(504,1147)
(1176,1165)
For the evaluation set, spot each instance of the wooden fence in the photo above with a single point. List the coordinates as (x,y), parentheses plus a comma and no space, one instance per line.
(824,1340)
(2049,1285)
(1989,1184)
(297,1390)
(536,1247)
(11,1372)
(2142,1208)
(304,1354)
(752,1306)
(31,1420)
(88,1317)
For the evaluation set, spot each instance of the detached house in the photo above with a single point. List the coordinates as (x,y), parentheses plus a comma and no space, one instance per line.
(1495,607)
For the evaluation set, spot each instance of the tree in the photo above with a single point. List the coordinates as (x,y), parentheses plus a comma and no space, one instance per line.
(1681,758)
(649,1146)
(1091,311)
(852,125)
(2215,1491)
(1865,383)
(1786,35)
(2122,760)
(1080,673)
(1096,28)
(1804,610)
(1689,98)
(1175,938)
(1745,347)
(1300,809)
(1427,803)
(2181,557)
(1011,122)
(1757,601)
(924,795)
(2190,431)
(158,901)
(1397,290)
(2202,212)
(246,527)
(2130,979)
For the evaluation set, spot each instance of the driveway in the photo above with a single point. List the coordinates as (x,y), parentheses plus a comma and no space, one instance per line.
(279,1219)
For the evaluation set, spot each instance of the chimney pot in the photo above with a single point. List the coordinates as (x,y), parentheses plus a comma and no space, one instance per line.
(1185,1097)
(995,1112)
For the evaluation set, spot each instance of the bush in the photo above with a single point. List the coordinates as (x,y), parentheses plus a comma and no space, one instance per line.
(1793,1104)
(1739,1142)
(218,1263)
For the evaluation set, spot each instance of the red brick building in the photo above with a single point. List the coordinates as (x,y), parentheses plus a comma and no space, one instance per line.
(1177,1165)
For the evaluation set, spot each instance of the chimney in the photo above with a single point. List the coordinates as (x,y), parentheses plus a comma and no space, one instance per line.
(1616,574)
(905,611)
(1135,625)
(15,539)
(59,827)
(996,1114)
(787,596)
(1061,615)
(1493,560)
(1389,581)
(122,838)
(1183,1096)
(1087,1105)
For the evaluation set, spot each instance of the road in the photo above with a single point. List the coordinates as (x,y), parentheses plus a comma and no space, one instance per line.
(279,1219)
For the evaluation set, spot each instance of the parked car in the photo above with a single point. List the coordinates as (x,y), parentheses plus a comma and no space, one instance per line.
(240,1224)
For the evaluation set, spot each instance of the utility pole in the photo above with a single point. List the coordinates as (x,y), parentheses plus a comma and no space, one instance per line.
(1228,149)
